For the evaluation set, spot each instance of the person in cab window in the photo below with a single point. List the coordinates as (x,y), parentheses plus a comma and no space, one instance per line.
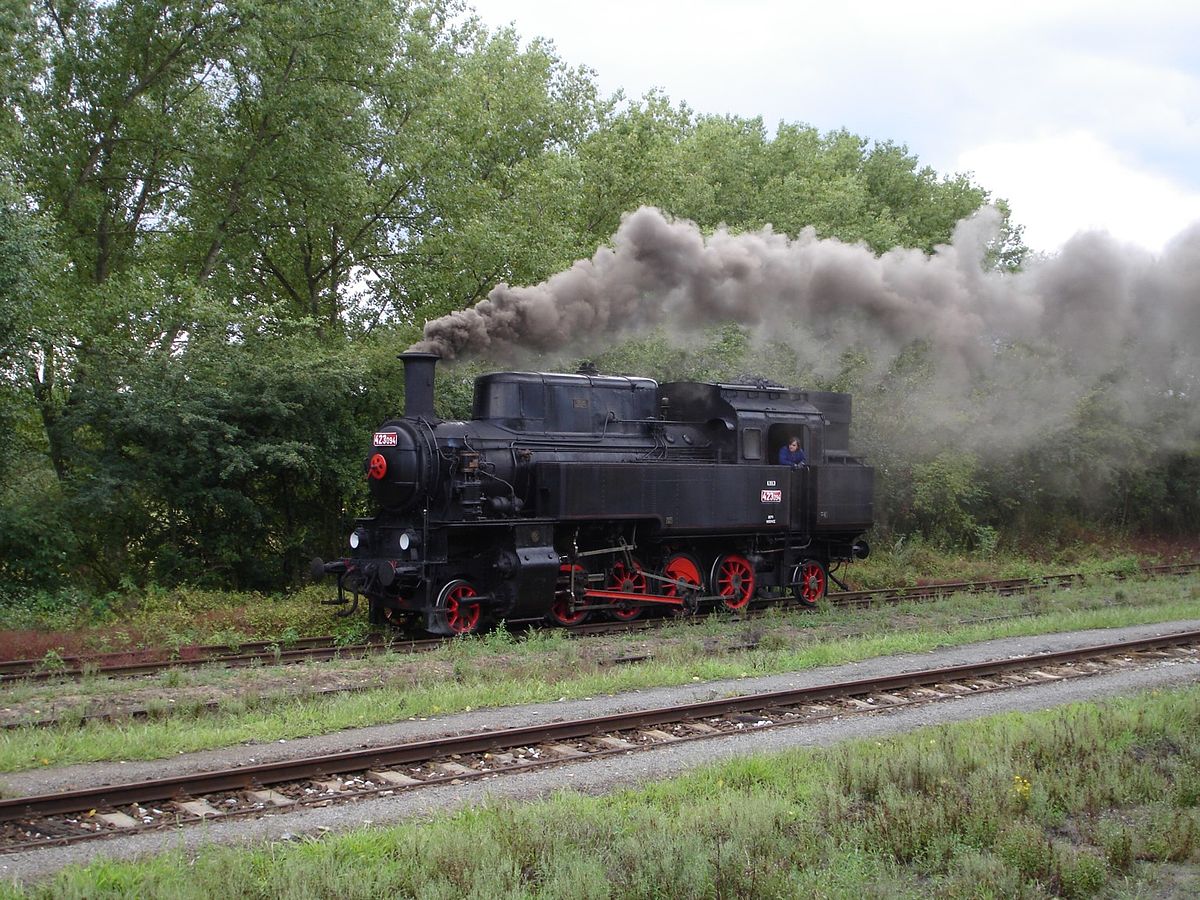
(792,455)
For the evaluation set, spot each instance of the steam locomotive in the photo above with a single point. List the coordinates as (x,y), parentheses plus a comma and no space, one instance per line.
(572,495)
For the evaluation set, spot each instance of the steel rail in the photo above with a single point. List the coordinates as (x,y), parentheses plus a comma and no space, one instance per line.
(268,652)
(188,653)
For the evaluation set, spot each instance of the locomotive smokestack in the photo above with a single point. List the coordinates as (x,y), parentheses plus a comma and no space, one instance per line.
(418,383)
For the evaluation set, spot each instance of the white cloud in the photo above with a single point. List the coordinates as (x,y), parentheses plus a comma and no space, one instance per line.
(1064,183)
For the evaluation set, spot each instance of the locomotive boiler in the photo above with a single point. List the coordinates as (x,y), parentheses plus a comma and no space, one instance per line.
(572,495)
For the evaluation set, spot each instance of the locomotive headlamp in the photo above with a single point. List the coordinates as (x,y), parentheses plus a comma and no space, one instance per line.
(408,540)
(356,539)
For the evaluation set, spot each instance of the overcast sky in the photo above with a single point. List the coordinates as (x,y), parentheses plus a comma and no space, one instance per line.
(1082,114)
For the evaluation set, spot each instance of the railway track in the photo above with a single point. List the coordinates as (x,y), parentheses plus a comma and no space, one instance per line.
(1003,586)
(251,653)
(143,713)
(135,663)
(274,788)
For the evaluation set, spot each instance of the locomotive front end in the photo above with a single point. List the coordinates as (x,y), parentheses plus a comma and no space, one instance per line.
(447,545)
(387,551)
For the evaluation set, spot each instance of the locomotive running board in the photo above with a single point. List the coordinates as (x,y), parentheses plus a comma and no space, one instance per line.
(629,595)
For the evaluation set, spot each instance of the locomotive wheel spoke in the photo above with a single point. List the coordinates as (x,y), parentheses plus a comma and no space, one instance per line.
(809,582)
(632,580)
(734,581)
(462,615)
(572,582)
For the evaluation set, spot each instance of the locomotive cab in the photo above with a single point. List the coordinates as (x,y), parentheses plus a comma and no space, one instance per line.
(758,420)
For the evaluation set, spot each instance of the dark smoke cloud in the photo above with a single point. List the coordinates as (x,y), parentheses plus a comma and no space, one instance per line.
(663,272)
(1098,308)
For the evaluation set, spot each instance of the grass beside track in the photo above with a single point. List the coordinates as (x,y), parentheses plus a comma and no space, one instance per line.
(500,670)
(1078,802)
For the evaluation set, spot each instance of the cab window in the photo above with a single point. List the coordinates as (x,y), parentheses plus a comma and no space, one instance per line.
(752,443)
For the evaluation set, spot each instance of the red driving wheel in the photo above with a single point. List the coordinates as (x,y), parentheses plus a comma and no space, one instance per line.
(462,615)
(572,582)
(681,567)
(630,578)
(733,580)
(809,582)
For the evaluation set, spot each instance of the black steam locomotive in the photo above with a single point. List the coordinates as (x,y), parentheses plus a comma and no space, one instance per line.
(572,495)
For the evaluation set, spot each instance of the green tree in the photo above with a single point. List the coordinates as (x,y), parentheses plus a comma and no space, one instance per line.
(233,465)
(36,545)
(495,204)
(630,159)
(946,494)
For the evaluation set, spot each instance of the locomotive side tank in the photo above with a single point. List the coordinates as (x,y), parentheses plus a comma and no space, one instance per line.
(570,495)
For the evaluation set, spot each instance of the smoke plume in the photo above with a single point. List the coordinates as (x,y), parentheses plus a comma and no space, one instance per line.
(1096,309)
